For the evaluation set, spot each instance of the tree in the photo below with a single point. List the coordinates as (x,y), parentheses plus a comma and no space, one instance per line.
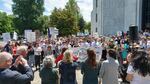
(43,23)
(73,8)
(6,23)
(81,24)
(64,21)
(67,19)
(88,26)
(27,13)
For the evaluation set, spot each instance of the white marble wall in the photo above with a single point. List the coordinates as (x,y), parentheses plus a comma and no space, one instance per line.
(116,15)
(113,12)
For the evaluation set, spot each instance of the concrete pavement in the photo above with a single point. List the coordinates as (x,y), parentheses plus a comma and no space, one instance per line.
(37,79)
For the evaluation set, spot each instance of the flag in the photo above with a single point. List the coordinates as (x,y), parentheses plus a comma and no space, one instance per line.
(49,33)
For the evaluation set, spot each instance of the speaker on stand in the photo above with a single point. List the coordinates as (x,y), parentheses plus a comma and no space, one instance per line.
(133,35)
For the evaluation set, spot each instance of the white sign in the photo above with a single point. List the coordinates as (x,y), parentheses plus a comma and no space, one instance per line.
(54,32)
(26,32)
(31,36)
(15,37)
(119,33)
(6,37)
(81,53)
(98,51)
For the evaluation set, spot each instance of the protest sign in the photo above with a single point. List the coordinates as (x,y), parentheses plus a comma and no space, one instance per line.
(81,53)
(6,37)
(15,37)
(98,51)
(31,36)
(53,32)
(26,33)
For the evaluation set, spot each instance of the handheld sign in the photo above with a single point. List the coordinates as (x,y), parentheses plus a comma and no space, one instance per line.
(6,37)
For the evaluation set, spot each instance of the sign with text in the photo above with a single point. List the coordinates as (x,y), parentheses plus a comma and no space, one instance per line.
(81,53)
(31,36)
(26,32)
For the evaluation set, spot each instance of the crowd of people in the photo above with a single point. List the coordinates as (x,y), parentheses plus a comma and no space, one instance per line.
(57,64)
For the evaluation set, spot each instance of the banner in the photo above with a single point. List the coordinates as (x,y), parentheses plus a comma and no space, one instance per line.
(81,53)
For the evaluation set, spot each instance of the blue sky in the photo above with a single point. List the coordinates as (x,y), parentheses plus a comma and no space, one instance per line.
(86,6)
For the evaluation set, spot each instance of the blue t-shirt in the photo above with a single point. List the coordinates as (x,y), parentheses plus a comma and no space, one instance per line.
(68,73)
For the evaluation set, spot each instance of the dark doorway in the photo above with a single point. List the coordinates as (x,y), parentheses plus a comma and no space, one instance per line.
(146,15)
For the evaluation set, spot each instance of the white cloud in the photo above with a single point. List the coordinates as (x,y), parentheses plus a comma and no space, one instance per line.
(7,6)
(7,1)
(85,6)
(51,4)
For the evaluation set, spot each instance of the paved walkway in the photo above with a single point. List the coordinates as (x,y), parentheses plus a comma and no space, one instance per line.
(37,79)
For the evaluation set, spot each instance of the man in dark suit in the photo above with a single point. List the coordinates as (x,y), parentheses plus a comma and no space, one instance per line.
(8,76)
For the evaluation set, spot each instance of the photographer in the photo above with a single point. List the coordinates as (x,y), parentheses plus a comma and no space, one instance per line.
(8,76)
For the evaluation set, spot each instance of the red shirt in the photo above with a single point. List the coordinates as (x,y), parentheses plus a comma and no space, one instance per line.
(14,49)
(60,57)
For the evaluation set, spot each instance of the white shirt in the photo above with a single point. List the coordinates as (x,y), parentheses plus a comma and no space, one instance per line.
(37,51)
(138,79)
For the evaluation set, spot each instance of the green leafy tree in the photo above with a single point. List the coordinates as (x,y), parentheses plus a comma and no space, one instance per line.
(74,10)
(64,21)
(27,13)
(88,26)
(44,23)
(81,24)
(6,23)
(67,19)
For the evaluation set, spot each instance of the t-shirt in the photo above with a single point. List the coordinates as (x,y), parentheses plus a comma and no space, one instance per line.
(37,51)
(138,79)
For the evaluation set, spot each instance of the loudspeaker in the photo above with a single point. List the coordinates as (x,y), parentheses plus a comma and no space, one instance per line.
(133,33)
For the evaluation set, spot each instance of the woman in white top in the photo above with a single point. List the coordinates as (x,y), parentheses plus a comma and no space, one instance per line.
(37,53)
(139,70)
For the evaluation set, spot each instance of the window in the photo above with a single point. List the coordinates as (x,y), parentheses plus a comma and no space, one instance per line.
(96,29)
(96,17)
(145,14)
(96,3)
